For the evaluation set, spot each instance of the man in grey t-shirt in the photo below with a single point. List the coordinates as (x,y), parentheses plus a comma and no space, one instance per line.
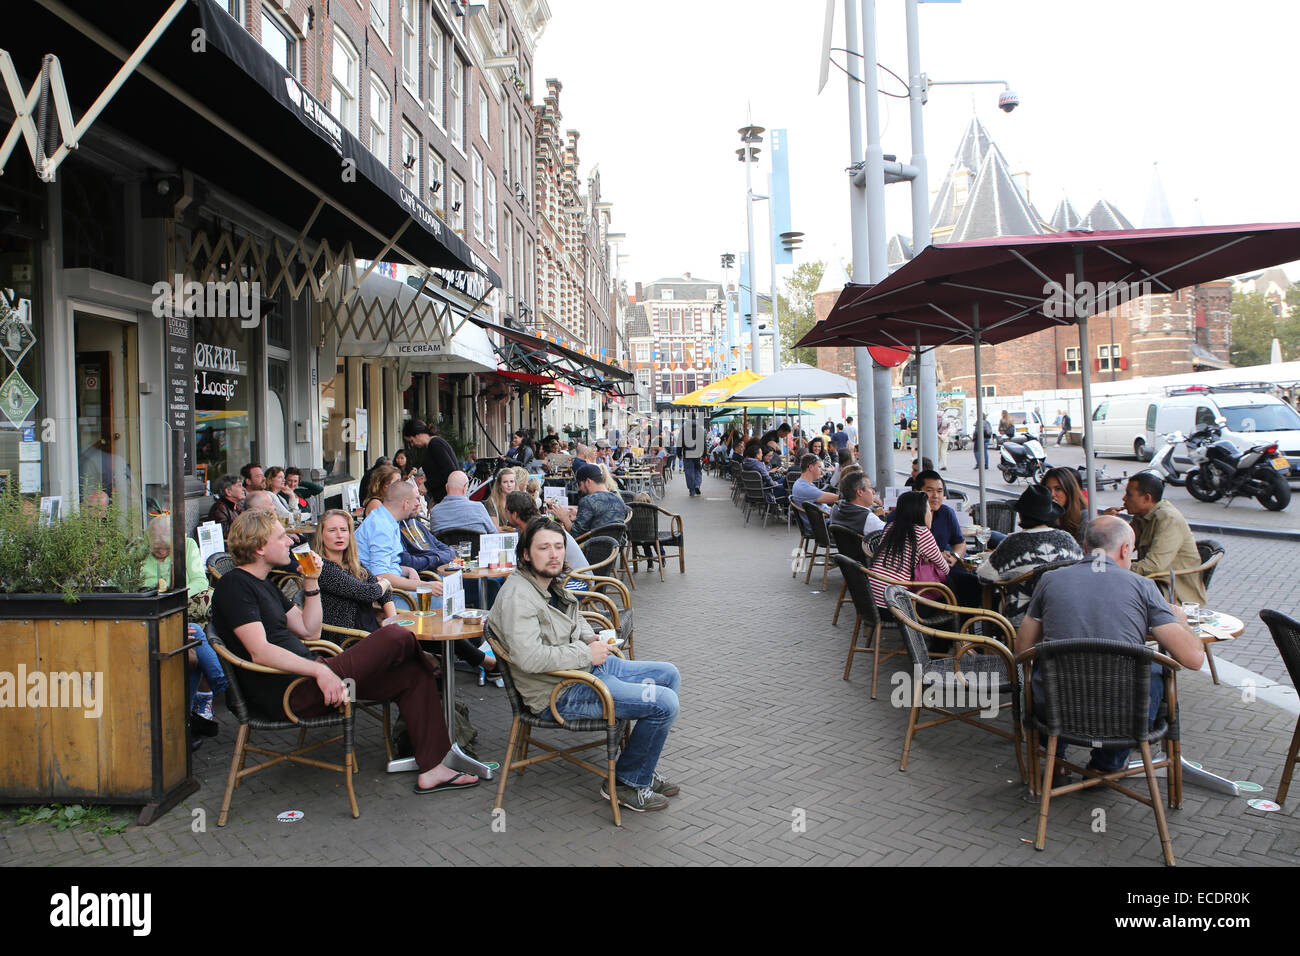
(1103,599)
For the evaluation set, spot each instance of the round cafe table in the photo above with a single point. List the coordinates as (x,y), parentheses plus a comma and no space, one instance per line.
(431,628)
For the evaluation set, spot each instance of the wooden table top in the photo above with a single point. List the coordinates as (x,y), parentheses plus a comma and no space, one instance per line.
(1224,627)
(431,627)
(476,573)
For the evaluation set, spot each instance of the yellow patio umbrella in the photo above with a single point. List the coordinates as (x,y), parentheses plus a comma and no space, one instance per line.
(717,393)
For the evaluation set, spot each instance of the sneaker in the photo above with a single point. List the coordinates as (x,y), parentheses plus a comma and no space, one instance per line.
(203,705)
(638,801)
(664,787)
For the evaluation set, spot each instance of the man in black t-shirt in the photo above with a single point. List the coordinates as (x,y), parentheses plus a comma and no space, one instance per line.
(259,624)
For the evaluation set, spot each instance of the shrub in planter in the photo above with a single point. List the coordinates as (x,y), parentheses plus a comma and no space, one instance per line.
(95,549)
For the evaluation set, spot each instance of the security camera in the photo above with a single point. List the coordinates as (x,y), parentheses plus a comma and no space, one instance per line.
(1008,101)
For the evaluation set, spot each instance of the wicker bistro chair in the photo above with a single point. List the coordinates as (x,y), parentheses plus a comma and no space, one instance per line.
(1002,515)
(219,564)
(1097,693)
(986,659)
(1286,635)
(1211,553)
(611,598)
(755,497)
(643,532)
(870,542)
(619,533)
(249,720)
(849,544)
(821,540)
(525,721)
(857,579)
(733,471)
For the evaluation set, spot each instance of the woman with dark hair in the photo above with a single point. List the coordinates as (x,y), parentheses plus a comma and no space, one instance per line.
(1064,486)
(1039,541)
(365,475)
(400,462)
(523,453)
(907,550)
(817,446)
(380,479)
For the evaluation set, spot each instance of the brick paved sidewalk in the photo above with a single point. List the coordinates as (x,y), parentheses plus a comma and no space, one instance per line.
(768,736)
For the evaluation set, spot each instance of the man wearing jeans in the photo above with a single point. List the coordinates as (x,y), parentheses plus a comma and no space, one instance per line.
(540,624)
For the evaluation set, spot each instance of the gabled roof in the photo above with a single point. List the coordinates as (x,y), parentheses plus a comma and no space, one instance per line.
(1064,217)
(1103,217)
(972,149)
(834,277)
(900,249)
(995,206)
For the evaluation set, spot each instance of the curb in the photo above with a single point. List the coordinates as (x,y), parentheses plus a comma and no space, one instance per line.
(1209,527)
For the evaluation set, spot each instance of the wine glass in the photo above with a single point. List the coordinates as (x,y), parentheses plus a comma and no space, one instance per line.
(982,536)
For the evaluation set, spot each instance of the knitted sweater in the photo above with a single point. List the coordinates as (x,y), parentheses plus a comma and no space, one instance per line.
(1022,552)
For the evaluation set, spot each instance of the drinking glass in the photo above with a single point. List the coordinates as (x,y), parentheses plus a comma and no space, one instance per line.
(982,536)
(1193,612)
(424,600)
(464,549)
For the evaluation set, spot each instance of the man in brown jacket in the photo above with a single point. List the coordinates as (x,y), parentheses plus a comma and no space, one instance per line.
(1164,541)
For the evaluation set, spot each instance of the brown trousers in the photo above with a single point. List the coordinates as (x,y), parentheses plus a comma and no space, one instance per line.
(390,665)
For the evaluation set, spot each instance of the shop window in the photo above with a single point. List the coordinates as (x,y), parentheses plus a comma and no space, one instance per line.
(224,395)
(94,220)
(333,414)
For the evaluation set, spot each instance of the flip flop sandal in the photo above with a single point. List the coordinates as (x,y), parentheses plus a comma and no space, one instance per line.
(450,784)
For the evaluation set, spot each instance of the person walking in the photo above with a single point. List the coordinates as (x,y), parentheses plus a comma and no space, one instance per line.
(1064,433)
(983,433)
(944,429)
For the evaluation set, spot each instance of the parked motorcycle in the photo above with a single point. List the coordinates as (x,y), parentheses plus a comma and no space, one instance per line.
(1022,459)
(1260,472)
(1162,460)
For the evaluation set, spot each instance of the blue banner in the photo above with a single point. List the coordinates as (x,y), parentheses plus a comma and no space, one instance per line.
(780,195)
(744,294)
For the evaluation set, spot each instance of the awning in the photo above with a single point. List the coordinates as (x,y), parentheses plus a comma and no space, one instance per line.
(532,354)
(717,393)
(232,115)
(391,319)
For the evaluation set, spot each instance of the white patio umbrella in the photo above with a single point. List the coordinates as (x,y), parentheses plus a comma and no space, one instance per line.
(798,382)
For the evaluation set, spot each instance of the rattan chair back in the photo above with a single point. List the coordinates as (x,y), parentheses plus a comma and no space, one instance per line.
(453,537)
(219,565)
(1001,515)
(898,600)
(817,524)
(859,585)
(643,526)
(600,551)
(870,542)
(1095,692)
(1285,632)
(1208,548)
(848,543)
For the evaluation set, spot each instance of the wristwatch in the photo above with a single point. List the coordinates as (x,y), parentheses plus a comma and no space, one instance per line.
(311,593)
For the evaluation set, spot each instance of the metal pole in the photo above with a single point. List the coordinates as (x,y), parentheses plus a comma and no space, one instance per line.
(874,185)
(980,447)
(776,327)
(1082,316)
(927,388)
(753,284)
(862,362)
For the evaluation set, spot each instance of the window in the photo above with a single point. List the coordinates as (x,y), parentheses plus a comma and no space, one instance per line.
(379,18)
(437,173)
(279,41)
(677,320)
(665,385)
(667,294)
(458,103)
(476,204)
(1105,353)
(410,47)
(677,352)
(527,169)
(643,351)
(643,378)
(1071,361)
(236,9)
(491,213)
(411,159)
(344,79)
(436,92)
(990,391)
(690,382)
(457,207)
(378,117)
(483,117)
(711,294)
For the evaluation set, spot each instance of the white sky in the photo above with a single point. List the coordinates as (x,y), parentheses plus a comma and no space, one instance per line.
(1107,87)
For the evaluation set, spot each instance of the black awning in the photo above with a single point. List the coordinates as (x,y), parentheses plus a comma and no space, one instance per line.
(534,351)
(248,95)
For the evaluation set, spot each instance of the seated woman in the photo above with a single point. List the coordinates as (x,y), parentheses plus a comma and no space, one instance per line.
(380,479)
(400,462)
(1038,542)
(817,446)
(907,550)
(1064,486)
(206,676)
(349,592)
(505,482)
(286,503)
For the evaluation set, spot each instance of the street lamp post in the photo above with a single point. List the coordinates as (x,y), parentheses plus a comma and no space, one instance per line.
(750,137)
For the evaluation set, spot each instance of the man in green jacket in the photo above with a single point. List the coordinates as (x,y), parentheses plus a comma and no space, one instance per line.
(541,626)
(1164,541)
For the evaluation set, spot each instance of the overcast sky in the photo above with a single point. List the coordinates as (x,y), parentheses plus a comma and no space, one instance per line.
(1107,88)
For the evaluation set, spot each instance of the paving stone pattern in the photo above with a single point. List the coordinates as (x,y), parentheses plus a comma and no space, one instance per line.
(780,761)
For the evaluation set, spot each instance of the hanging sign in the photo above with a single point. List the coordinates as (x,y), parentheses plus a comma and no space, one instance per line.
(16,398)
(182,384)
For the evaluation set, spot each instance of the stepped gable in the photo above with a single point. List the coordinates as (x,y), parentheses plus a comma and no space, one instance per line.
(995,205)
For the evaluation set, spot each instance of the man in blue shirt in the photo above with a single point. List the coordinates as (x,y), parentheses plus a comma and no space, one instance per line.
(840,438)
(379,539)
(457,511)
(805,492)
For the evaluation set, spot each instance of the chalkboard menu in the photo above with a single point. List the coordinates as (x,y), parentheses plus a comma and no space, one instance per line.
(180,383)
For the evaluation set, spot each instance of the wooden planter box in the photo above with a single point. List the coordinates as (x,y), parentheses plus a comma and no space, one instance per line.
(113,726)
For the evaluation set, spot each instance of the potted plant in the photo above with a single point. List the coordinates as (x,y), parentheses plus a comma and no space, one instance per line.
(92,669)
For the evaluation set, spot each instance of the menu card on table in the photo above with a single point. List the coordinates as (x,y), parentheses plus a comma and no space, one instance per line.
(453,595)
(495,550)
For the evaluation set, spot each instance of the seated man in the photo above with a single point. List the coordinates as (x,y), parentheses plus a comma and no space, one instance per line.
(379,539)
(775,491)
(598,507)
(521,509)
(918,465)
(542,630)
(858,508)
(457,511)
(1164,541)
(230,494)
(261,625)
(1078,602)
(805,492)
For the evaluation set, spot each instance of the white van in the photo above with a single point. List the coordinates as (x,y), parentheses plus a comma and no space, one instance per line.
(1133,425)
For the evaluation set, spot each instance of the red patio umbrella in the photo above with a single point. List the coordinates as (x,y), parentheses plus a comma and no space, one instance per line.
(995,290)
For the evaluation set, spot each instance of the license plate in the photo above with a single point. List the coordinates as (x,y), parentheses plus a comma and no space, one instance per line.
(1281,464)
